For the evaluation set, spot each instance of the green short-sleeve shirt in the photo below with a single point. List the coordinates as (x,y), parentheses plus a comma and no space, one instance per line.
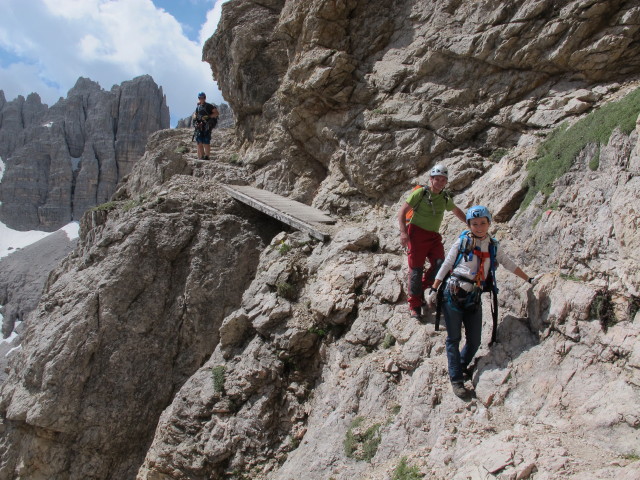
(427,214)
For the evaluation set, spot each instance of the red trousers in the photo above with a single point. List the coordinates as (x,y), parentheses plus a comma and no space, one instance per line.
(423,245)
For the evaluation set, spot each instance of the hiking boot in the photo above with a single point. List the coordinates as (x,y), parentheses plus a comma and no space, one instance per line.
(467,372)
(459,389)
(416,313)
(206,157)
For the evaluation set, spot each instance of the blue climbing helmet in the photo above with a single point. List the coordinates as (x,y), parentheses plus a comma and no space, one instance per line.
(478,211)
(202,95)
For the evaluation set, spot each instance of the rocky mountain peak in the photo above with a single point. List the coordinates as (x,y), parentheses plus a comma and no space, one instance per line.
(62,160)
(84,85)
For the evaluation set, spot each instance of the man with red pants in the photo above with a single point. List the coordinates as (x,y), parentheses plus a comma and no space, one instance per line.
(421,236)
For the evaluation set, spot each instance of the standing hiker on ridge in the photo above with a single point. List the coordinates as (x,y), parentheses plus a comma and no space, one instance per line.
(425,207)
(472,264)
(205,119)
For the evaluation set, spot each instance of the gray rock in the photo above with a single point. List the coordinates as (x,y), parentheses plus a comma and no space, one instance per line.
(139,306)
(372,97)
(62,160)
(285,380)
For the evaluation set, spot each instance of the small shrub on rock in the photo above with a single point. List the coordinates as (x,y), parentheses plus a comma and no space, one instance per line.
(361,442)
(404,472)
(218,374)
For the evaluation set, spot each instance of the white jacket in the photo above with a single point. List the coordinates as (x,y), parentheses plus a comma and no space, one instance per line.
(469,269)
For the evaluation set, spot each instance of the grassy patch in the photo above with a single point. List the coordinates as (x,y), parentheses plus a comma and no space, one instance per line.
(537,221)
(389,341)
(594,163)
(321,332)
(286,290)
(558,152)
(218,374)
(404,472)
(105,207)
(497,154)
(284,248)
(361,443)
(568,276)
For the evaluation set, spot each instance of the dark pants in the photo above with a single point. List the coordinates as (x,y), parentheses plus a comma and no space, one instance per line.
(423,245)
(204,136)
(457,313)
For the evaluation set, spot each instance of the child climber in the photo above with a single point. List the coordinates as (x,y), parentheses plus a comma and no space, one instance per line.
(462,305)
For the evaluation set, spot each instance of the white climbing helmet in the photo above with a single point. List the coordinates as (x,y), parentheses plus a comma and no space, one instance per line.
(439,170)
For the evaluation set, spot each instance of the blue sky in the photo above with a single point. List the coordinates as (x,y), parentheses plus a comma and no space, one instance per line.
(46,45)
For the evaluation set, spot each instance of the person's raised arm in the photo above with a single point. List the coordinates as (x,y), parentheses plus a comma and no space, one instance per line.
(460,214)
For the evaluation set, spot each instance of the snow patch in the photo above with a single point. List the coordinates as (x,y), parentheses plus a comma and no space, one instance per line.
(72,230)
(11,240)
(13,350)
(2,168)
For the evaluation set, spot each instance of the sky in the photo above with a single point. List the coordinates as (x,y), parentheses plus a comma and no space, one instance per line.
(46,45)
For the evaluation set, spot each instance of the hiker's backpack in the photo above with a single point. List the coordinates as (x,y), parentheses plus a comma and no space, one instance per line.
(425,193)
(489,285)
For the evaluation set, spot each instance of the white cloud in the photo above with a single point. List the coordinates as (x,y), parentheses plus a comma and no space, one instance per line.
(58,41)
(22,79)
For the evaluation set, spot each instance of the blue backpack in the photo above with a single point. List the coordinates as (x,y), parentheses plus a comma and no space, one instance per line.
(489,285)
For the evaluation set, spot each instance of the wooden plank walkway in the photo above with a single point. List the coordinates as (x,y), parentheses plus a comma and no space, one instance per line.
(298,215)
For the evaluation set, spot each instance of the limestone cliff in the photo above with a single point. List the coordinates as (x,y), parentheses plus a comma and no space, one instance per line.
(70,157)
(356,96)
(188,337)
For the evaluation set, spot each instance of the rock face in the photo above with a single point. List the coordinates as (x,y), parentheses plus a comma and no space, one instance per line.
(70,157)
(354,96)
(189,338)
(139,304)
(323,342)
(22,278)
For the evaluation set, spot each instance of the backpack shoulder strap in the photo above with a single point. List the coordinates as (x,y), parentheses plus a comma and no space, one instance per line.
(464,249)
(417,187)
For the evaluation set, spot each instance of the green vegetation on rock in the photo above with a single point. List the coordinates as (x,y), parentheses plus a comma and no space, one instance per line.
(558,152)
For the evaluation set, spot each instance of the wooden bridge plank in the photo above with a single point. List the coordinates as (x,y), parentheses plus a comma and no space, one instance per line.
(298,215)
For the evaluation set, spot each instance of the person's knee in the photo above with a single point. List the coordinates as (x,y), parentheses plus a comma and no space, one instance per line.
(453,339)
(415,281)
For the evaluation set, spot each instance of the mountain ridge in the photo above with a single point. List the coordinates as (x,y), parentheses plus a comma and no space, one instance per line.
(62,160)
